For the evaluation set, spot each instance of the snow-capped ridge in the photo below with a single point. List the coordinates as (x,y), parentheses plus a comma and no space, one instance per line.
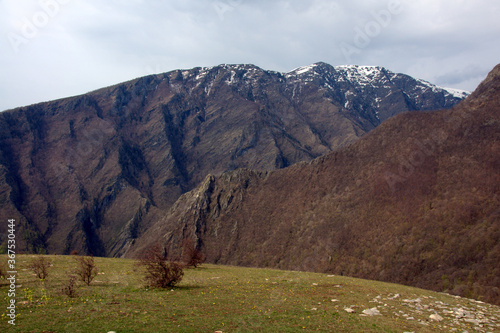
(376,81)
(369,75)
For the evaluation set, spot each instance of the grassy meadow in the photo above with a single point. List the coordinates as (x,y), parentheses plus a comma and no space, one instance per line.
(228,299)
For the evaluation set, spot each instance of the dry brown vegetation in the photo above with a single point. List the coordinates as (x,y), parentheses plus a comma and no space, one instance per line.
(191,254)
(40,266)
(70,288)
(86,269)
(160,272)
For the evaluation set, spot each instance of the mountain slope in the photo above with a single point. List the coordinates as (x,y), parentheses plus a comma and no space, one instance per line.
(416,201)
(90,173)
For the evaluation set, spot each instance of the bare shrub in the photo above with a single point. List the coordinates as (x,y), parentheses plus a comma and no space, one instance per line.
(40,266)
(160,273)
(70,288)
(191,255)
(86,269)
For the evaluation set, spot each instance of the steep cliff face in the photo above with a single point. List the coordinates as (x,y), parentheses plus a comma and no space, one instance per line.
(416,201)
(197,213)
(90,173)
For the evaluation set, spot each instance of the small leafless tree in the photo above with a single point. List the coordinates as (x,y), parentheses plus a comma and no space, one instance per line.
(191,255)
(86,270)
(70,288)
(40,266)
(160,273)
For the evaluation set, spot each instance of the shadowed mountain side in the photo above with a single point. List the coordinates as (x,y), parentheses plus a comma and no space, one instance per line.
(416,201)
(90,173)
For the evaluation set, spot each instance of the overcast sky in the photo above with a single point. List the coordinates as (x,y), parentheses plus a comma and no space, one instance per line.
(58,48)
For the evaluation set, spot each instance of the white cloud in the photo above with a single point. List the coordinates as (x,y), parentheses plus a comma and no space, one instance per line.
(85,45)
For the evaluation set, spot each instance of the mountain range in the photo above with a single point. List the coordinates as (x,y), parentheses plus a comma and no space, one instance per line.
(298,170)
(90,173)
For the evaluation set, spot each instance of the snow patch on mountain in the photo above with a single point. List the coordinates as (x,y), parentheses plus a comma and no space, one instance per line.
(458,93)
(361,75)
(231,80)
(303,69)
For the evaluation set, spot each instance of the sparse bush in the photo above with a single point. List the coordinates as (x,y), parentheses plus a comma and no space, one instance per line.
(40,266)
(70,288)
(191,255)
(86,269)
(160,273)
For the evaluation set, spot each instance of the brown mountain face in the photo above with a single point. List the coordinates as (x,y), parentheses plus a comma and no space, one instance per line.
(91,173)
(416,201)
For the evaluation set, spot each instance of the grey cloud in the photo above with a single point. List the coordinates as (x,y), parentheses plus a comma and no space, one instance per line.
(94,43)
(460,75)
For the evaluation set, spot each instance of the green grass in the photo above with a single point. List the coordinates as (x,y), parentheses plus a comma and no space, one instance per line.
(215,298)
